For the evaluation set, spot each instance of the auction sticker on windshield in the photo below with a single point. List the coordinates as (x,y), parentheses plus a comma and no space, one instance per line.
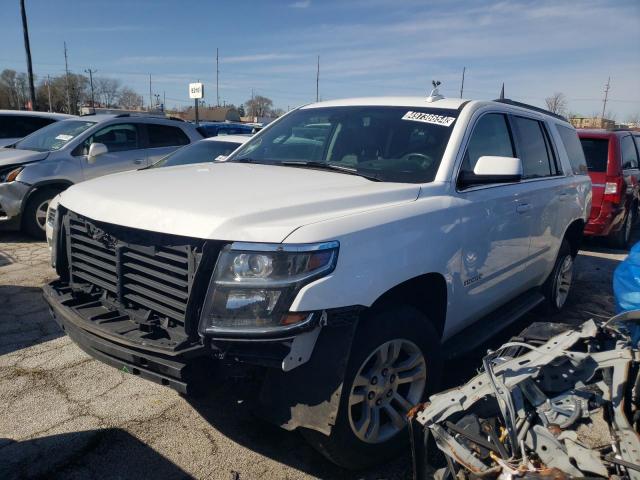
(429,118)
(64,137)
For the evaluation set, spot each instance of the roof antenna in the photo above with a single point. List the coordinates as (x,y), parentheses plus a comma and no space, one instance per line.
(502,92)
(435,94)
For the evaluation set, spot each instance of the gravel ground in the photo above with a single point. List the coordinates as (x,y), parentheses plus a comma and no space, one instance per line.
(65,415)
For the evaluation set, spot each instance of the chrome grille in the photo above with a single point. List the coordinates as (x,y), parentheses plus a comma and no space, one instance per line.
(152,280)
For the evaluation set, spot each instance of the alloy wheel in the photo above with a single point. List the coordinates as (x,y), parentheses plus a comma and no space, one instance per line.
(41,214)
(389,382)
(563,281)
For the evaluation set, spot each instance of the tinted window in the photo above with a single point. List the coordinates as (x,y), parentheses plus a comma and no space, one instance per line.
(629,154)
(198,152)
(490,137)
(117,138)
(596,152)
(18,126)
(532,148)
(389,143)
(54,136)
(165,136)
(574,150)
(636,138)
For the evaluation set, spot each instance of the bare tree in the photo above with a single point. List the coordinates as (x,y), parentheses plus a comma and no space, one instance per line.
(634,118)
(259,106)
(107,90)
(128,99)
(557,103)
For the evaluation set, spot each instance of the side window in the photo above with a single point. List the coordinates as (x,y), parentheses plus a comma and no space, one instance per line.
(490,137)
(629,154)
(165,136)
(574,149)
(117,138)
(532,148)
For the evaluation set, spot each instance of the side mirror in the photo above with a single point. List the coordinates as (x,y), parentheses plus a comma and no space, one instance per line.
(490,169)
(95,150)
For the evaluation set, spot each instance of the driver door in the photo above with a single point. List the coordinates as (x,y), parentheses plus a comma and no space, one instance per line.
(124,151)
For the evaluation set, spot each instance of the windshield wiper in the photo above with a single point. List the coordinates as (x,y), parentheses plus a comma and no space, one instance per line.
(329,166)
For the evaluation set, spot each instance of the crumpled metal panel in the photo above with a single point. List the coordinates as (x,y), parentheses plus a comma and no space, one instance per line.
(525,414)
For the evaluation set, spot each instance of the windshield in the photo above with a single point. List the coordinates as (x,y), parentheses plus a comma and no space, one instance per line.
(392,144)
(596,152)
(202,151)
(54,136)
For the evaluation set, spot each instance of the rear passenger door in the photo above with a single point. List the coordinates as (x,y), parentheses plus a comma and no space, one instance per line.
(544,193)
(162,140)
(124,150)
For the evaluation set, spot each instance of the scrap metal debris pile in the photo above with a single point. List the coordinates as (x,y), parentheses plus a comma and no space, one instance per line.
(557,402)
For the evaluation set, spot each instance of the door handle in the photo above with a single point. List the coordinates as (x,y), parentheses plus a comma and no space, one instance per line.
(523,208)
(564,196)
(138,161)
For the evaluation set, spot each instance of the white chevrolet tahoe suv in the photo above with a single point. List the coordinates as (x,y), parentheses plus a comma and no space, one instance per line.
(343,253)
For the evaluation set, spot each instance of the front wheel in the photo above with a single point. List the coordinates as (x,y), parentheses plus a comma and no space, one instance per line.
(34,218)
(394,363)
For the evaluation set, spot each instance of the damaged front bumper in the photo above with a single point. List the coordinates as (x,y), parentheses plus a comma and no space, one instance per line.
(287,398)
(12,196)
(557,402)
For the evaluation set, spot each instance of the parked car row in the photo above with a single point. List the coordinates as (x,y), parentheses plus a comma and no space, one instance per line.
(342,254)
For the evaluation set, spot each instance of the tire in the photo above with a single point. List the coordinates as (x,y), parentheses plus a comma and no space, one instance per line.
(620,239)
(557,287)
(34,217)
(401,329)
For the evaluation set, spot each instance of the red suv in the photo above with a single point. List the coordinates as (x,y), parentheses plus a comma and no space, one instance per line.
(612,159)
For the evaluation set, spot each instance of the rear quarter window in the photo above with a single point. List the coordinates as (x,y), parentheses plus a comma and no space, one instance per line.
(165,136)
(574,149)
(629,154)
(596,153)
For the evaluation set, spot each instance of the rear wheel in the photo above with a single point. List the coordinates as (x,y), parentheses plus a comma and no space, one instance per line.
(620,239)
(557,287)
(394,363)
(34,219)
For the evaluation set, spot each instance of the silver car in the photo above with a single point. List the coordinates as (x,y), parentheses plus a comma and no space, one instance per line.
(38,167)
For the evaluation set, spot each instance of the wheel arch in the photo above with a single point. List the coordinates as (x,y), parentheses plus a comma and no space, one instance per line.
(574,235)
(56,184)
(427,293)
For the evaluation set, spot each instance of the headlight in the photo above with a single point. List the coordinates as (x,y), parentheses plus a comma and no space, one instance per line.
(10,175)
(254,285)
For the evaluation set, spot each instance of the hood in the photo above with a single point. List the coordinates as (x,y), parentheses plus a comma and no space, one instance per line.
(11,156)
(230,201)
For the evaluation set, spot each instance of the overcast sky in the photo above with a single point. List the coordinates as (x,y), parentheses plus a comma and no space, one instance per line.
(366,47)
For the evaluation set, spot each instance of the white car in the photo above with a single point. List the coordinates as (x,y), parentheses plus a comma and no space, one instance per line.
(347,249)
(207,150)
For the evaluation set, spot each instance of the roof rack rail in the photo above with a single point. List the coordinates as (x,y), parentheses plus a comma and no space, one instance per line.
(508,101)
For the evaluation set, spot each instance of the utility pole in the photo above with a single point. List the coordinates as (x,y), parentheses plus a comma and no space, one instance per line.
(150,100)
(49,90)
(253,105)
(217,75)
(93,103)
(164,101)
(606,94)
(27,49)
(318,81)
(66,78)
(462,84)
